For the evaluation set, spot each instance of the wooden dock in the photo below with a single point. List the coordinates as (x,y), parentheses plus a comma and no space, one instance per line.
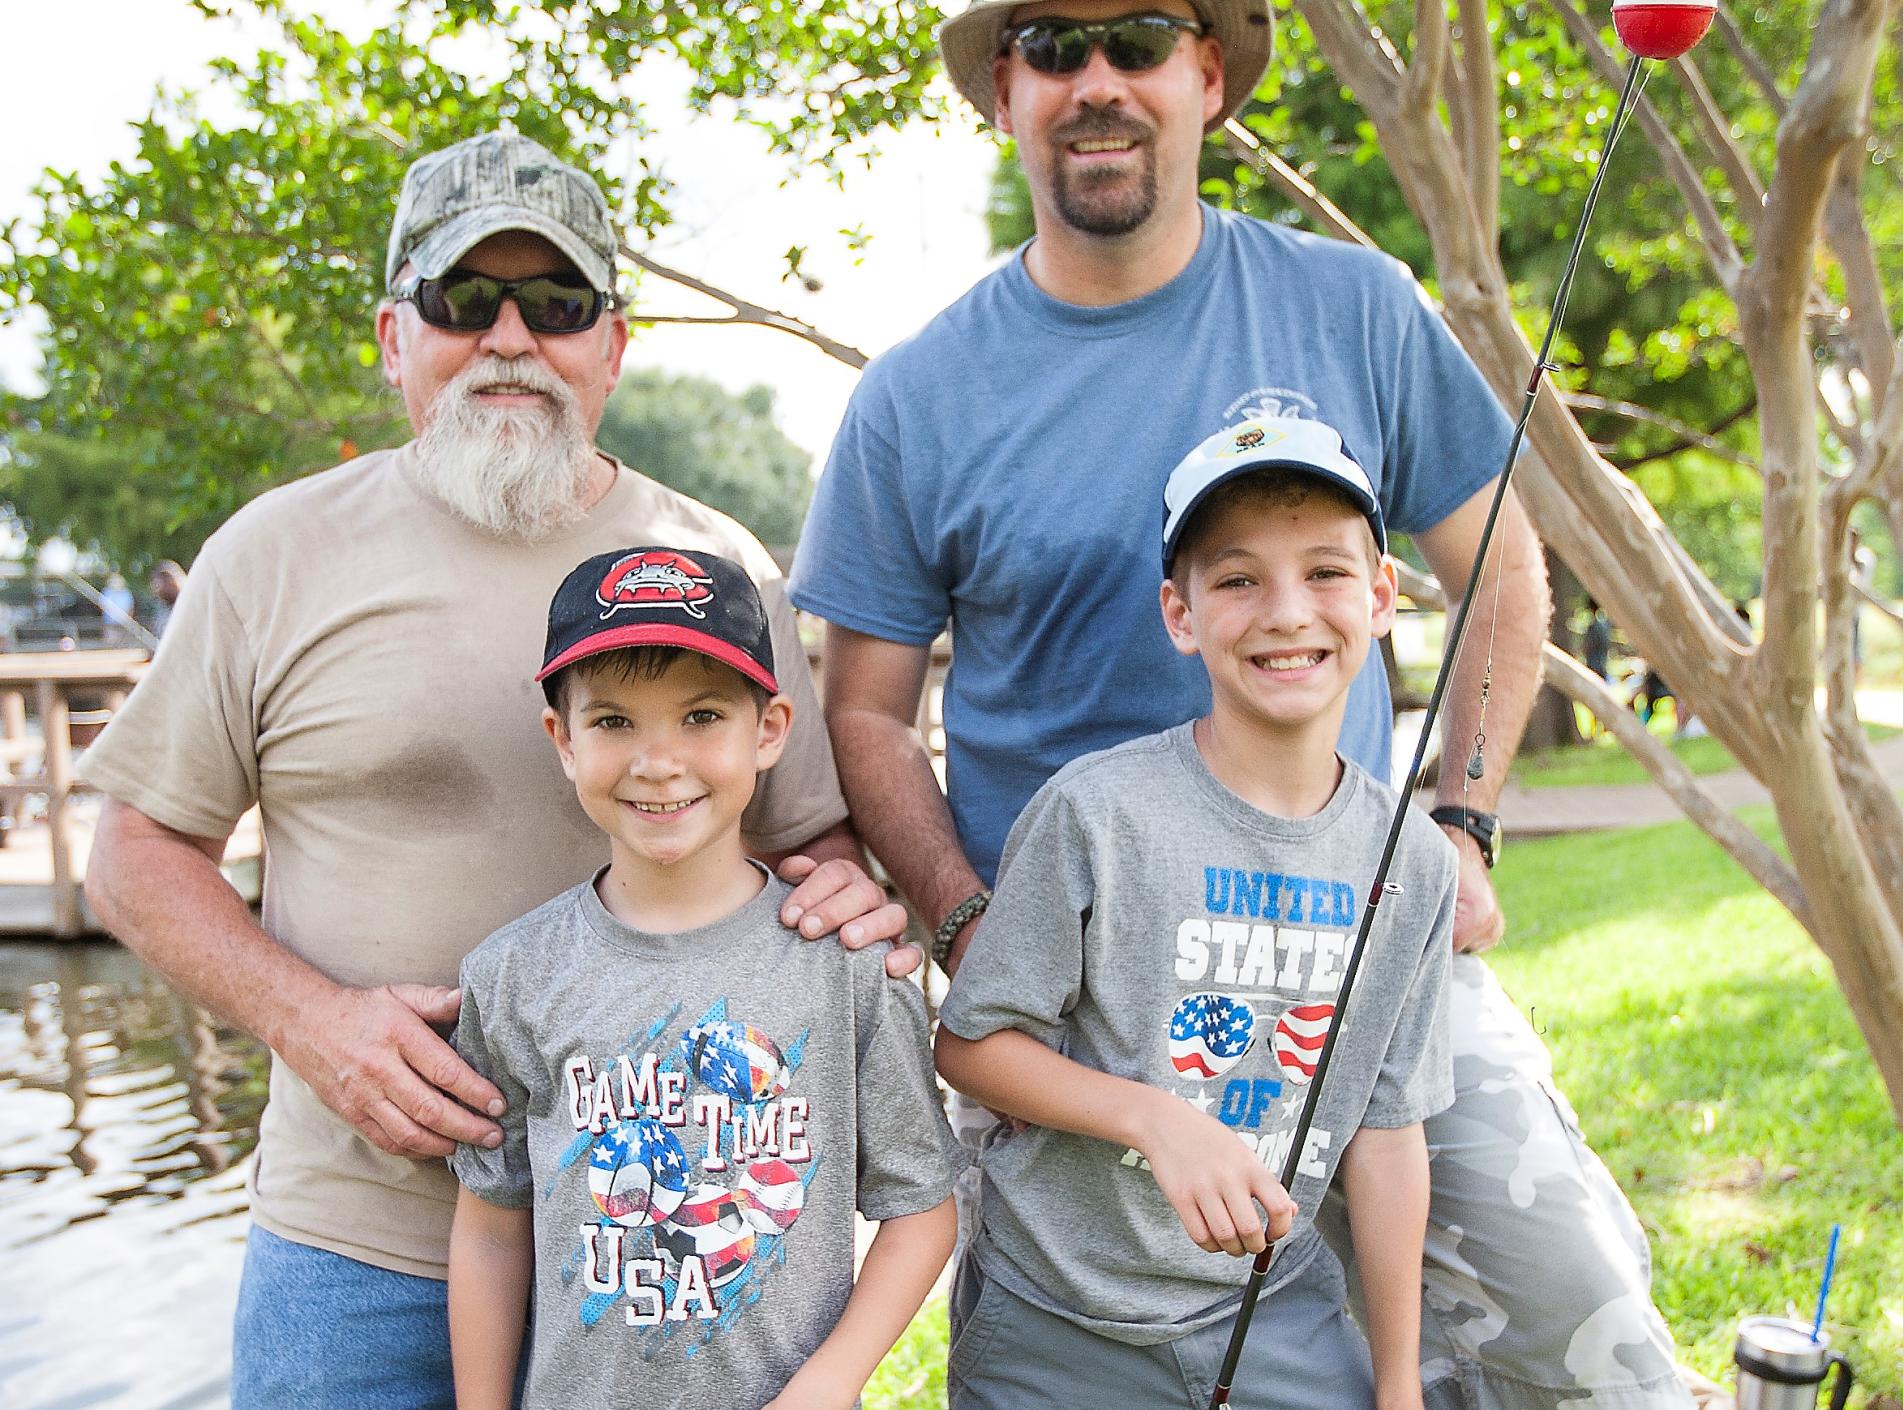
(43,864)
(27,909)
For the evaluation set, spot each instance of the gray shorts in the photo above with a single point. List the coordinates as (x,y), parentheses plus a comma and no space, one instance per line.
(1303,1353)
(1537,1286)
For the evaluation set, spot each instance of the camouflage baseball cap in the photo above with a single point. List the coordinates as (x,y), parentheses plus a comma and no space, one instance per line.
(454,199)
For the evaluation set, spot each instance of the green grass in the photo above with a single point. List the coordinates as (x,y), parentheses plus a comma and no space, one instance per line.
(1717,1071)
(1605,761)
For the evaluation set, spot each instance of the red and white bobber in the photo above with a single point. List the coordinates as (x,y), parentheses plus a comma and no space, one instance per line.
(1661,29)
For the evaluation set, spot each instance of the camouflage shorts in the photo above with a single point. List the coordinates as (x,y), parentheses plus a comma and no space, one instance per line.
(1537,1289)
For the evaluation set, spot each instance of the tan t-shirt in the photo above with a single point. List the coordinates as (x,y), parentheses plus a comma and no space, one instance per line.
(357,661)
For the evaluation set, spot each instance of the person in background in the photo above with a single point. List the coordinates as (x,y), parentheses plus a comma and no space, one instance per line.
(165,584)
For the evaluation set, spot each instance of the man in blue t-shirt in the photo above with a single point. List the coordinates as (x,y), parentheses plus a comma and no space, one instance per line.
(1003,471)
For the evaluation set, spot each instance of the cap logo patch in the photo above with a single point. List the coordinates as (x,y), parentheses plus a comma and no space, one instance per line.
(1252,438)
(656,578)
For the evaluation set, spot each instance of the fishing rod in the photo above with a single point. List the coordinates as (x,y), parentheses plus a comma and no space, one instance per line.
(1649,29)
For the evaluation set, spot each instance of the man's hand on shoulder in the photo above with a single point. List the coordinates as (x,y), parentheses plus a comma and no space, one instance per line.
(1478,921)
(837,895)
(372,1057)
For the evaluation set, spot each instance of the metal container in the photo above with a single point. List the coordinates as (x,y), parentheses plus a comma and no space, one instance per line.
(1781,1368)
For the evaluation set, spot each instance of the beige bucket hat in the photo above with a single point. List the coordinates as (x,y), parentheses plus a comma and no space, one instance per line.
(971,40)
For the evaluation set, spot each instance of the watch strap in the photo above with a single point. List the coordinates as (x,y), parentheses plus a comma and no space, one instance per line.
(1484,828)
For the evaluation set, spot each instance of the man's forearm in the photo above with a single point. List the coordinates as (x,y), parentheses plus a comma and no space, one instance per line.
(163,896)
(1506,632)
(900,811)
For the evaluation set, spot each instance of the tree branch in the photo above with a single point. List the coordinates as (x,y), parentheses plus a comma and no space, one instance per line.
(1366,62)
(1296,188)
(1740,175)
(1421,155)
(1872,805)
(1720,250)
(1473,98)
(1772,295)
(1878,464)
(1687,434)
(1718,822)
(1420,86)
(1749,60)
(1866,306)
(1823,119)
(744,312)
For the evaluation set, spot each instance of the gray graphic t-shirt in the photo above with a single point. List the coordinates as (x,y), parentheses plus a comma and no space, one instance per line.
(693,1119)
(1152,925)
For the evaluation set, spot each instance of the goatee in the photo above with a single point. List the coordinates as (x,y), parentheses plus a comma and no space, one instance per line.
(1105,200)
(515,472)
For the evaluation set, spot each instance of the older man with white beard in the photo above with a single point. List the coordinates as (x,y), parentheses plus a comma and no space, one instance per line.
(354,655)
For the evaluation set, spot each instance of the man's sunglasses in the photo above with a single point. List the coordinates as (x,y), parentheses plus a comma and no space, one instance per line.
(1132,44)
(468,303)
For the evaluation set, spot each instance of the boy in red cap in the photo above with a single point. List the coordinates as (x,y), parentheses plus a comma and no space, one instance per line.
(698,1102)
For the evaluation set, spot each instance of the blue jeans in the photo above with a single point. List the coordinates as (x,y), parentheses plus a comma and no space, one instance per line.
(317,1329)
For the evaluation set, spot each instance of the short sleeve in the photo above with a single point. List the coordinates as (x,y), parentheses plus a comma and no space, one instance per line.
(1416,1079)
(184,748)
(799,797)
(1024,968)
(859,562)
(1448,436)
(501,1176)
(908,1157)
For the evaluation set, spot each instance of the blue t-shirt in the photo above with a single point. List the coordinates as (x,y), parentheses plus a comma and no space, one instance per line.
(1004,469)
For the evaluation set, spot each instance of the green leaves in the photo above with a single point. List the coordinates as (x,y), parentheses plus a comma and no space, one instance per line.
(723,450)
(210,301)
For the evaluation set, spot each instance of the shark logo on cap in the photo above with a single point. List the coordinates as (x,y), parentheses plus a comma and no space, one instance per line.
(655,578)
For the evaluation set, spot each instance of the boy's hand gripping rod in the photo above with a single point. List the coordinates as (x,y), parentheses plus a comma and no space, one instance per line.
(1656,29)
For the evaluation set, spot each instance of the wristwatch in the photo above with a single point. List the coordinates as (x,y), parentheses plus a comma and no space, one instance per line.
(948,928)
(1484,828)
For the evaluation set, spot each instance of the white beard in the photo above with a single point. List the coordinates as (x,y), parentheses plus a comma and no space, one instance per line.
(518,473)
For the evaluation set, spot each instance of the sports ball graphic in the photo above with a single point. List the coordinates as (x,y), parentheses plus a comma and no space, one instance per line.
(736,1060)
(1209,1033)
(774,1196)
(637,1173)
(709,1224)
(1299,1035)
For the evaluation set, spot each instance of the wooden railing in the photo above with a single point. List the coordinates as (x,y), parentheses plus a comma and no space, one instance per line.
(53,679)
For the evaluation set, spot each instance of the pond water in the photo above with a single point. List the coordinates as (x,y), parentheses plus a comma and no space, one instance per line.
(127,1119)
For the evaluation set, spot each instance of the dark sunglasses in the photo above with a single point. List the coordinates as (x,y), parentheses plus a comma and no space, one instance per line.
(1132,44)
(468,303)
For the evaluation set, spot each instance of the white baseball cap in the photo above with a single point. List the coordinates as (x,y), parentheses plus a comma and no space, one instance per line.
(1311,448)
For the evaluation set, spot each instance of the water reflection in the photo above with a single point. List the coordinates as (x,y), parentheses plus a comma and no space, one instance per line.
(126,1116)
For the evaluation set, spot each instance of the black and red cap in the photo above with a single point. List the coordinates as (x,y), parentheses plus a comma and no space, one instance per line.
(657,596)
